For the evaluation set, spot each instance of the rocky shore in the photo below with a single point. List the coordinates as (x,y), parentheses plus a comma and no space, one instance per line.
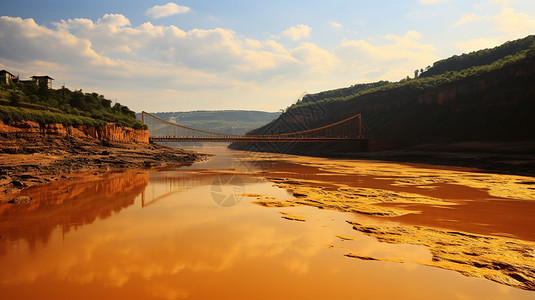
(33,158)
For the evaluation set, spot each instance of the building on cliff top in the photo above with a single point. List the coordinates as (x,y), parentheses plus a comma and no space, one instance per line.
(43,81)
(8,78)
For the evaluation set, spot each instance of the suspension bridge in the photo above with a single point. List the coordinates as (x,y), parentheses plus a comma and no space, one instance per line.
(161,130)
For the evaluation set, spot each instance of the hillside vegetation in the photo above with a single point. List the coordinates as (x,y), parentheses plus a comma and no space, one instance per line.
(32,103)
(483,95)
(479,58)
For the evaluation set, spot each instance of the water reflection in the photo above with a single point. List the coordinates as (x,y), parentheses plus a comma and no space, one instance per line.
(219,183)
(161,236)
(68,205)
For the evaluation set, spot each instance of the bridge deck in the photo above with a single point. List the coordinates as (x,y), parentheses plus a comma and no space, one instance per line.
(251,140)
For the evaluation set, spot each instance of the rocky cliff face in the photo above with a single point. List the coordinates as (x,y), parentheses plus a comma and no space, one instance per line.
(112,132)
(109,132)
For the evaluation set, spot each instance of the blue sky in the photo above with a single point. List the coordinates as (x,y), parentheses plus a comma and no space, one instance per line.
(199,54)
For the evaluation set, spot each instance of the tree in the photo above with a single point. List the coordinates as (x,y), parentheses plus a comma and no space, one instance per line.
(77,100)
(14,98)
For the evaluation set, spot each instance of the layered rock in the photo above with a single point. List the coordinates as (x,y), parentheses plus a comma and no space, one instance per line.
(109,132)
(112,132)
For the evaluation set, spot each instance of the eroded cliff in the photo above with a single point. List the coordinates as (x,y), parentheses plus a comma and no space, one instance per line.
(110,132)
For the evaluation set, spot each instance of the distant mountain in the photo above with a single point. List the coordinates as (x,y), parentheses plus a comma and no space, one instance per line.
(483,95)
(223,121)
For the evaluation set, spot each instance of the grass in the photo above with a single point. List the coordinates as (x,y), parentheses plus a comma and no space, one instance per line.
(10,114)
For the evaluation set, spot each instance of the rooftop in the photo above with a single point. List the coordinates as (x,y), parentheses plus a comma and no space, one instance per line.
(4,71)
(45,77)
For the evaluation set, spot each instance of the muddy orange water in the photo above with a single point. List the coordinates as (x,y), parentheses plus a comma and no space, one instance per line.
(196,233)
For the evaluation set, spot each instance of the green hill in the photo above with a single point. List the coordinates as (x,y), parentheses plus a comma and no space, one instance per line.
(19,101)
(484,95)
(342,93)
(479,58)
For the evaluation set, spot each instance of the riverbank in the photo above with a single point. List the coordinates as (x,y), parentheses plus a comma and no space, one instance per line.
(515,158)
(29,159)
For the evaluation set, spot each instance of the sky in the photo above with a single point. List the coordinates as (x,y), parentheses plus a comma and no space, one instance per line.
(161,56)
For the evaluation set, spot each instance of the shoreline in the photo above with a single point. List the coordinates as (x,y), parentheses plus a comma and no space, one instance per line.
(29,160)
(512,158)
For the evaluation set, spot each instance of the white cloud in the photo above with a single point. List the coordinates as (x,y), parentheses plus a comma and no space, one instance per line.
(392,60)
(218,49)
(509,21)
(74,59)
(254,44)
(160,11)
(467,18)
(24,40)
(274,46)
(335,24)
(297,32)
(317,58)
(111,56)
(104,34)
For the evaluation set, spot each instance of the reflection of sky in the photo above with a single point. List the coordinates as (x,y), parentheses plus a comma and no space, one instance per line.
(185,245)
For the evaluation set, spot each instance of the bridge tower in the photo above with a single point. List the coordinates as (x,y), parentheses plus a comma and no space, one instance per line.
(360,135)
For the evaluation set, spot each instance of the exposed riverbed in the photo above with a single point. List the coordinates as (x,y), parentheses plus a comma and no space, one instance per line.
(266,226)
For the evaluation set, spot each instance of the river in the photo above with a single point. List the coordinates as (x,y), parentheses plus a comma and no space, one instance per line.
(269,226)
